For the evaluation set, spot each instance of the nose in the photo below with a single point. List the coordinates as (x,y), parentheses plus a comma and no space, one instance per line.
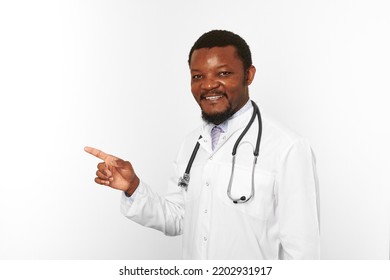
(210,84)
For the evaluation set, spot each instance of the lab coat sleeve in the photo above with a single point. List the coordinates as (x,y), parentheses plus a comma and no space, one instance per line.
(164,213)
(298,203)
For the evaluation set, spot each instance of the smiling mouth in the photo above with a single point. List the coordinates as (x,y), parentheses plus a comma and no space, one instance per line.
(213,98)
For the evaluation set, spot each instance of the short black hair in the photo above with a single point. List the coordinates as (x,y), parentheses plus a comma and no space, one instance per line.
(224,38)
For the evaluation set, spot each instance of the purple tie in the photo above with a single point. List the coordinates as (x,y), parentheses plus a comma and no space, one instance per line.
(215,133)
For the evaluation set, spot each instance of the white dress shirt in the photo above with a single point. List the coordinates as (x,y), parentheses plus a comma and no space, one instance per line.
(281,221)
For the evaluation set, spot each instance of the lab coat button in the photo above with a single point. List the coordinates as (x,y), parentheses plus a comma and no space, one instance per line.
(205,238)
(207,184)
(205,211)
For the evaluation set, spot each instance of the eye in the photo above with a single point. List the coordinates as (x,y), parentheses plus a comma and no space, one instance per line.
(197,77)
(224,73)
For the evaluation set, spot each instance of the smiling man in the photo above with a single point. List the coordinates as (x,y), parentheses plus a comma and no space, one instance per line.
(219,82)
(226,202)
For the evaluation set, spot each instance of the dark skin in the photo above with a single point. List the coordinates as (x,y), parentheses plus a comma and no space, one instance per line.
(218,79)
(114,172)
(218,83)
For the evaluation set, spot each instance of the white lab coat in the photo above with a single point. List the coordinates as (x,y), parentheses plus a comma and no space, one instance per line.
(281,221)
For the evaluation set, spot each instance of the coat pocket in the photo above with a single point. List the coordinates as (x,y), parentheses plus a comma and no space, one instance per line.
(262,203)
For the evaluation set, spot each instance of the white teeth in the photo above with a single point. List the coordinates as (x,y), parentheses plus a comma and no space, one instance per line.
(213,97)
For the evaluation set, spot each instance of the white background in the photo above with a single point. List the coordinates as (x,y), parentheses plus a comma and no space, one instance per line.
(114,74)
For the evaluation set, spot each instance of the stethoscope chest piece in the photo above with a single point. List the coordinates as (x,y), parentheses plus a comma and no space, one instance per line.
(184,181)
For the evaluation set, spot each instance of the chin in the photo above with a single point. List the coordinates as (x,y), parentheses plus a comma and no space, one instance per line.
(217,117)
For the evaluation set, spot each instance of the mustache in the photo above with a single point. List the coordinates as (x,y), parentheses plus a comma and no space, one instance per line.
(212,92)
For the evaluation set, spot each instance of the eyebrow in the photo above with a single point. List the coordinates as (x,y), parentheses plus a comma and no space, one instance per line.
(223,65)
(220,66)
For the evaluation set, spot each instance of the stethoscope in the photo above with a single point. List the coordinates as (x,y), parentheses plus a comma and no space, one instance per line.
(184,181)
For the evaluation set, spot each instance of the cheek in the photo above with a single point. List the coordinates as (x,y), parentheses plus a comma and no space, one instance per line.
(234,87)
(195,93)
(195,90)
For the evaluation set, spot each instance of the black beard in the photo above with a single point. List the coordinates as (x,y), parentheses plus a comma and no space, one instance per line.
(218,118)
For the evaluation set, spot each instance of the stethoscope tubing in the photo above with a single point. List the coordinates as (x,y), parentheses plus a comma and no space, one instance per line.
(184,181)
(243,199)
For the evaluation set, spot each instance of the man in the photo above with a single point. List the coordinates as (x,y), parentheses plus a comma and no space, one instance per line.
(277,218)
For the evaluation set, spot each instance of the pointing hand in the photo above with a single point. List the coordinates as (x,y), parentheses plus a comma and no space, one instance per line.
(114,172)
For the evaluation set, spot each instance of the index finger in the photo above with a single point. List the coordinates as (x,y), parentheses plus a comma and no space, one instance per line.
(95,152)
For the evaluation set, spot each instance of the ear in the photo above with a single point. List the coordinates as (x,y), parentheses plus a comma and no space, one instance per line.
(250,74)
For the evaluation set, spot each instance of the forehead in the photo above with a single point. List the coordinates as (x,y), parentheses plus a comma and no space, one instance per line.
(215,56)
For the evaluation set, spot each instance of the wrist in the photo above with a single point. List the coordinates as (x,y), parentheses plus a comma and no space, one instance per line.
(133,186)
